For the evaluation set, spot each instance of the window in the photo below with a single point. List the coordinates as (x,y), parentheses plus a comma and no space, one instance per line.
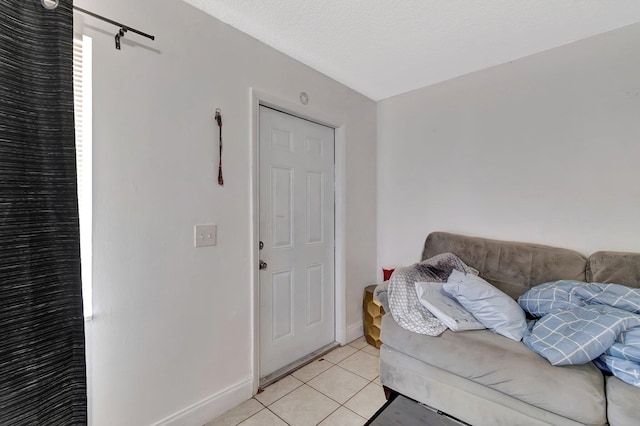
(82,111)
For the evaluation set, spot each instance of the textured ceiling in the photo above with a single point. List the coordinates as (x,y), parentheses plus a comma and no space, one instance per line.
(384,48)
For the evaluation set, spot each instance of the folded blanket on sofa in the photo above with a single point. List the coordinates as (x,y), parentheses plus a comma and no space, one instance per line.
(580,322)
(404,305)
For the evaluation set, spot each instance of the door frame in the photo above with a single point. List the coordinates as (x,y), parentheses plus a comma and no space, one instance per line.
(328,118)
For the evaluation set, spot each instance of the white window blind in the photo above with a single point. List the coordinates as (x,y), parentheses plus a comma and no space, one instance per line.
(83,129)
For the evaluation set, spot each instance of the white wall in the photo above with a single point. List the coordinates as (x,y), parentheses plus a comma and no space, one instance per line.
(172,324)
(542,149)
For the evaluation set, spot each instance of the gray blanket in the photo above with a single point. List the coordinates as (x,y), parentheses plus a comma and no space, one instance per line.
(403,300)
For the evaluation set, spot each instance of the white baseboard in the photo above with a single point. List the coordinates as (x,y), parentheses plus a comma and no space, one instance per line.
(354,331)
(211,407)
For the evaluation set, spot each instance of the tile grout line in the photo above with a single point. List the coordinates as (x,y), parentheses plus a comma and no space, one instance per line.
(285,422)
(303,382)
(276,400)
(329,415)
(360,350)
(343,405)
(338,402)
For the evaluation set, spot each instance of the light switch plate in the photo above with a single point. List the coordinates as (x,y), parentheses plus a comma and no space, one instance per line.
(204,235)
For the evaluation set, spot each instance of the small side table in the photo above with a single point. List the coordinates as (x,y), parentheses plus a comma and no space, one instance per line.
(372,313)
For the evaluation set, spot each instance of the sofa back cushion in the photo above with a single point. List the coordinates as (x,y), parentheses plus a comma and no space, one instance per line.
(510,266)
(614,267)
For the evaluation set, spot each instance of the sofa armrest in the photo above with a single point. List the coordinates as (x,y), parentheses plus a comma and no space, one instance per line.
(380,295)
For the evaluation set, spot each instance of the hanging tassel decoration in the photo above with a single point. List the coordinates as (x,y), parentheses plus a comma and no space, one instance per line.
(218,118)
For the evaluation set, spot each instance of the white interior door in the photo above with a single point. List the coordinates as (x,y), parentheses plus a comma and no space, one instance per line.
(297,231)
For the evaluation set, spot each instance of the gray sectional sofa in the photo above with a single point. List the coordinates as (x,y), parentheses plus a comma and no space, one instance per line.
(483,378)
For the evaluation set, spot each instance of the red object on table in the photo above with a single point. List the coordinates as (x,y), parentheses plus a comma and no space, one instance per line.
(386,273)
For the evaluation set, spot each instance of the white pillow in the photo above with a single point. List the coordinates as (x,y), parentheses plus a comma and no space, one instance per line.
(493,308)
(446,308)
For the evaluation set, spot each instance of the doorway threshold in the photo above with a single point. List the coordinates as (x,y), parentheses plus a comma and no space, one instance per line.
(290,368)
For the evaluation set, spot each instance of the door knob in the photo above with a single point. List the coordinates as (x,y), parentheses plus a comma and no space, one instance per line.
(263,264)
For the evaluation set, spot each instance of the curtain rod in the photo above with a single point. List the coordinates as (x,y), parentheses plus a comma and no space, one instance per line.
(112,22)
(123,28)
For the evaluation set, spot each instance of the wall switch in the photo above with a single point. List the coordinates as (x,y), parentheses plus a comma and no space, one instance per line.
(204,235)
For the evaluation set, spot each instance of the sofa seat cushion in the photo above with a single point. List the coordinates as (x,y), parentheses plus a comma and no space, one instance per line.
(622,403)
(486,358)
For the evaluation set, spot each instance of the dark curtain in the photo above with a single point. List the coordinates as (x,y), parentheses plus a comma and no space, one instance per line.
(42,362)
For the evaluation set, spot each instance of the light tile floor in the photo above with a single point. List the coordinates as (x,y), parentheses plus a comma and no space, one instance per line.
(340,389)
